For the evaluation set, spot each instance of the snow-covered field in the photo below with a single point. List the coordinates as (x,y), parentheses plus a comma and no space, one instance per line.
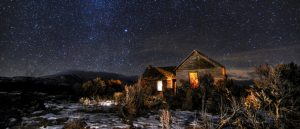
(102,117)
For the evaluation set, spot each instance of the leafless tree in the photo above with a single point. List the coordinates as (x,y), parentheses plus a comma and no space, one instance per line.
(277,89)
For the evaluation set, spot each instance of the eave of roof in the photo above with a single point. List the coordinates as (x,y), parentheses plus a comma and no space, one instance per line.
(159,72)
(215,63)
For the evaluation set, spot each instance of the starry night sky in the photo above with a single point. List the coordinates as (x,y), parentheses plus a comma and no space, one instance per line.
(40,37)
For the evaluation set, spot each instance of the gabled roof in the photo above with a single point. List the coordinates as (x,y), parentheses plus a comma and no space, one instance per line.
(205,57)
(159,72)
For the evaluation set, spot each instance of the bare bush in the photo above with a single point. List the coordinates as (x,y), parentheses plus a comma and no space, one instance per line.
(165,119)
(133,102)
(94,87)
(152,101)
(277,89)
(251,101)
(206,122)
(114,82)
(207,82)
(75,124)
(240,116)
(118,96)
(96,101)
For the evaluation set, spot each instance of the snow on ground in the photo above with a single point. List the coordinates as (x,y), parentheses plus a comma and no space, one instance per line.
(52,127)
(180,120)
(101,117)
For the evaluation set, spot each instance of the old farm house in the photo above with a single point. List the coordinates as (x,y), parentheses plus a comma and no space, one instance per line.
(190,70)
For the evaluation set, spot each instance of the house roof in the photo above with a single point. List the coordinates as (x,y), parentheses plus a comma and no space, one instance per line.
(205,57)
(159,72)
(156,73)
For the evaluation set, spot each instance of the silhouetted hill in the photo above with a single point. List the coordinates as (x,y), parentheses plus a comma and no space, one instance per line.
(72,76)
(63,82)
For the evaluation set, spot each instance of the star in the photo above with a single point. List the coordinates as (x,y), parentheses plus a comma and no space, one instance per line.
(108,35)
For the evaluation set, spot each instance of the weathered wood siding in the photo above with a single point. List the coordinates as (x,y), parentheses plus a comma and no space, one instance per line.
(196,63)
(153,84)
(183,75)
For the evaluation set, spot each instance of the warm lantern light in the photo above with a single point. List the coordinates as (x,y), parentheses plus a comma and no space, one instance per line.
(223,71)
(159,85)
(194,81)
(169,83)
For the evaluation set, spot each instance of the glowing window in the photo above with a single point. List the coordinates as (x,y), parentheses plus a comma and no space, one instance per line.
(194,81)
(159,85)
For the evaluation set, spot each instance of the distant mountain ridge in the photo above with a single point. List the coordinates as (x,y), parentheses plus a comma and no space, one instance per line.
(62,82)
(80,76)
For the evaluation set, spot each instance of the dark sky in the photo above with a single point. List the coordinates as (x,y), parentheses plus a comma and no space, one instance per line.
(39,37)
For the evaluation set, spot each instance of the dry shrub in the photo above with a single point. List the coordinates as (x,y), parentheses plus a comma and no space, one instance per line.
(194,98)
(194,127)
(75,124)
(118,96)
(84,100)
(237,112)
(113,82)
(231,119)
(96,101)
(165,119)
(278,89)
(188,101)
(94,87)
(133,102)
(238,116)
(152,101)
(251,101)
(204,123)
